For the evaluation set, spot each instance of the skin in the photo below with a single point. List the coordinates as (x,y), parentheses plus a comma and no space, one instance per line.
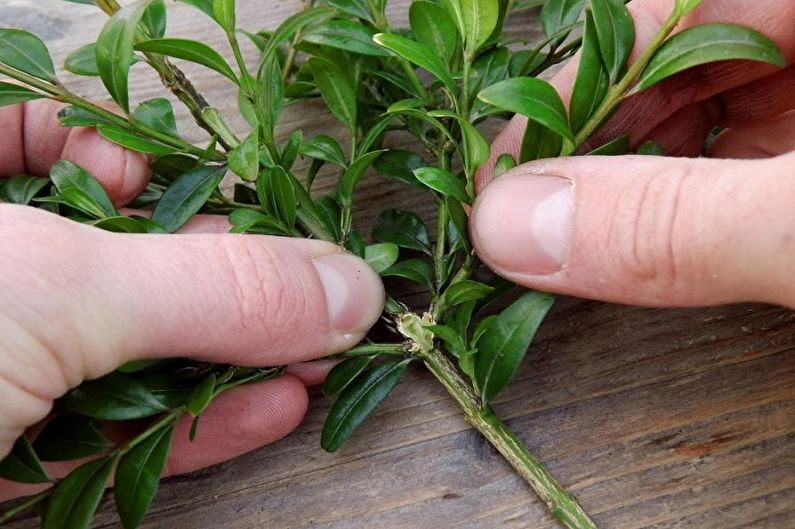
(657,231)
(78,302)
(112,298)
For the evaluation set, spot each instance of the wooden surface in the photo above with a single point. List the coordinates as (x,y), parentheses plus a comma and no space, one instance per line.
(654,418)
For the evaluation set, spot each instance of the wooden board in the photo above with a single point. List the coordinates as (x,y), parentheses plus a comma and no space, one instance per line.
(654,418)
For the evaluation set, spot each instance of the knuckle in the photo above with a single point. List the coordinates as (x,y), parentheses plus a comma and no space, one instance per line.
(644,228)
(267,294)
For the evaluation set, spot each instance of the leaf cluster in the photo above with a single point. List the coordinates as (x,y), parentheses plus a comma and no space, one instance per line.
(437,80)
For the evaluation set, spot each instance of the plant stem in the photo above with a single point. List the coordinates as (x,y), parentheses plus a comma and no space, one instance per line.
(59,93)
(25,504)
(174,79)
(288,63)
(619,90)
(560,503)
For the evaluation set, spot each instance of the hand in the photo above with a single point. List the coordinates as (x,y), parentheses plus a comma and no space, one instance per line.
(78,302)
(662,231)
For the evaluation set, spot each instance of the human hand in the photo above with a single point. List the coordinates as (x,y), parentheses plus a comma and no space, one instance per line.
(78,302)
(662,231)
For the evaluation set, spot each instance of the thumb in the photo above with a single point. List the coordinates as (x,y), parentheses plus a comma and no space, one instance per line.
(78,302)
(644,230)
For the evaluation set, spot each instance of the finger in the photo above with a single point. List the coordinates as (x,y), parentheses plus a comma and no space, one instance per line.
(246,300)
(34,141)
(238,421)
(312,373)
(197,224)
(762,140)
(638,116)
(683,133)
(644,230)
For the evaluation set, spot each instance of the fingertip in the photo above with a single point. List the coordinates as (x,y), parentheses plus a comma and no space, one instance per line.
(239,421)
(124,174)
(312,373)
(521,223)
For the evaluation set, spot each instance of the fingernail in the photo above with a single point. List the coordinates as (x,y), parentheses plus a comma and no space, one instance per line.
(522,224)
(354,292)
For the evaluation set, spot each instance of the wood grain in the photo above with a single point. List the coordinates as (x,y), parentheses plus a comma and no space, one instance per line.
(664,419)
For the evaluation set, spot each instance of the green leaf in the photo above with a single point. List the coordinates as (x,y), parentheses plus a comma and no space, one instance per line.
(539,142)
(11,94)
(491,68)
(75,499)
(154,19)
(615,147)
(381,256)
(115,50)
(27,53)
(203,5)
(458,218)
(466,290)
(69,437)
(21,189)
(419,54)
(67,175)
(557,15)
(352,175)
(83,61)
(201,396)
(355,243)
(189,50)
(292,24)
(157,114)
(505,343)
(132,141)
(345,35)
(592,83)
(285,196)
(138,476)
(120,225)
(504,163)
(344,373)
(246,220)
(22,464)
(114,397)
(186,196)
(78,117)
(291,149)
(708,43)
(354,8)
(170,390)
(337,90)
(400,164)
(325,148)
(651,148)
(402,228)
(244,159)
(450,337)
(533,98)
(433,27)
(417,270)
(476,20)
(270,93)
(476,148)
(616,33)
(443,182)
(224,13)
(359,400)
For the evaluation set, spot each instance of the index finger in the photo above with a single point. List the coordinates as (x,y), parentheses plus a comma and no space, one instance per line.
(639,115)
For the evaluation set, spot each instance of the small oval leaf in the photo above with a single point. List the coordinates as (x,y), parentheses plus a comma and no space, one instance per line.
(359,400)
(708,43)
